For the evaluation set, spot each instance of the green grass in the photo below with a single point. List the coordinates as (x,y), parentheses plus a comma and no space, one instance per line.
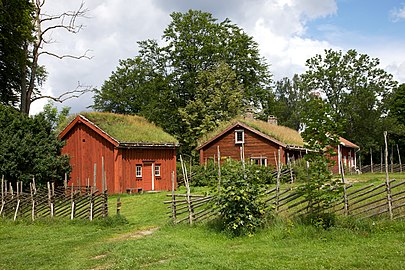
(281,133)
(126,128)
(110,244)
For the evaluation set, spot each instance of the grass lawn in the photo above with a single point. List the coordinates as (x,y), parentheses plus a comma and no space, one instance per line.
(149,242)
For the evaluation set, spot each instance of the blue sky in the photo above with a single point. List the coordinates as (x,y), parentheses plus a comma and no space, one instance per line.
(371,21)
(288,32)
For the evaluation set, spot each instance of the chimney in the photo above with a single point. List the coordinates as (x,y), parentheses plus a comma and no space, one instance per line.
(249,114)
(272,119)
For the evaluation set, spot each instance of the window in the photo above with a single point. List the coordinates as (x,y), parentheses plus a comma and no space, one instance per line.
(261,161)
(138,170)
(239,136)
(157,170)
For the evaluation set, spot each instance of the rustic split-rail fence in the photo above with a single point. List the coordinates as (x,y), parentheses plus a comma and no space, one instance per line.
(384,199)
(362,202)
(73,202)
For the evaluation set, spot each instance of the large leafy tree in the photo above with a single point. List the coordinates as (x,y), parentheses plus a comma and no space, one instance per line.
(194,43)
(29,148)
(287,102)
(16,29)
(218,98)
(355,88)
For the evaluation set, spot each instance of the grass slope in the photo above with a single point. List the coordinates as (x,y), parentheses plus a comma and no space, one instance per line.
(280,133)
(284,245)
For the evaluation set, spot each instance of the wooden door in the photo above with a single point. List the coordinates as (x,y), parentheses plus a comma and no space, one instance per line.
(148,176)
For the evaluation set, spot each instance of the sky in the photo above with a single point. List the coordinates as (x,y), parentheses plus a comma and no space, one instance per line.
(288,33)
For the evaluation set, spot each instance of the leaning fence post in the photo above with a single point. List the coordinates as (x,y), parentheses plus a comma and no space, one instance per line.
(278,179)
(32,203)
(2,195)
(72,213)
(173,200)
(387,181)
(345,198)
(118,205)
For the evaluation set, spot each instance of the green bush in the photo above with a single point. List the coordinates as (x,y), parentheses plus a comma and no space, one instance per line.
(240,202)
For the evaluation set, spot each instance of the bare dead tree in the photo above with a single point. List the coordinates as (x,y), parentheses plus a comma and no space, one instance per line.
(44,24)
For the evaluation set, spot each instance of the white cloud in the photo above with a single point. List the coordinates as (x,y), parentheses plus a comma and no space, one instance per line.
(398,14)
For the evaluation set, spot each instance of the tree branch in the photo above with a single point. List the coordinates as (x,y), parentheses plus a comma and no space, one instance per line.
(84,56)
(76,93)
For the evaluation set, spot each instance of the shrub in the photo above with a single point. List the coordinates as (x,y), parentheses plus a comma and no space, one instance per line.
(240,202)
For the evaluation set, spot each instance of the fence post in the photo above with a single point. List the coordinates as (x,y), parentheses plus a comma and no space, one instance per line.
(118,205)
(399,159)
(2,195)
(278,179)
(72,213)
(219,169)
(387,181)
(173,200)
(345,198)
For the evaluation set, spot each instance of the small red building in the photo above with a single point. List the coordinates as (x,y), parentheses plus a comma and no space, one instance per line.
(253,140)
(346,151)
(130,153)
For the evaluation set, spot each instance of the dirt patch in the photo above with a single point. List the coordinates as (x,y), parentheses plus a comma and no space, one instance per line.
(135,234)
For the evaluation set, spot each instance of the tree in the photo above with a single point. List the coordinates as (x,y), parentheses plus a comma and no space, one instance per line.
(287,102)
(16,28)
(29,148)
(218,98)
(355,88)
(33,75)
(321,136)
(25,35)
(194,43)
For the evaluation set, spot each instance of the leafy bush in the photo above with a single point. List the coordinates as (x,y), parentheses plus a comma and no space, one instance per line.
(240,202)
(207,176)
(29,148)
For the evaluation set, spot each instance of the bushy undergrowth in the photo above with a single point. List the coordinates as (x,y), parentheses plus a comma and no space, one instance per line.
(240,199)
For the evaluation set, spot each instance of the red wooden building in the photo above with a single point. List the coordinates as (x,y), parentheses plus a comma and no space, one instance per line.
(130,153)
(255,140)
(259,142)
(346,151)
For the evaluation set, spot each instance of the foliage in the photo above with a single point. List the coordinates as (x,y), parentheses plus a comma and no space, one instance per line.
(16,28)
(54,117)
(240,202)
(29,148)
(207,175)
(218,98)
(287,102)
(356,89)
(321,138)
(169,83)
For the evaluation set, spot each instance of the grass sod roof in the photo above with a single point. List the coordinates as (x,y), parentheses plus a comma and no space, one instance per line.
(281,133)
(127,128)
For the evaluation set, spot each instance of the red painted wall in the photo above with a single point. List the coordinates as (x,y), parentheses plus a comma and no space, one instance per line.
(86,148)
(254,146)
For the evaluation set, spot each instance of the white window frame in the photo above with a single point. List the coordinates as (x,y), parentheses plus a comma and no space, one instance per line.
(157,168)
(262,161)
(138,173)
(238,131)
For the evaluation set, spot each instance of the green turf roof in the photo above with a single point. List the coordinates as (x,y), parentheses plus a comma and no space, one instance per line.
(281,133)
(129,128)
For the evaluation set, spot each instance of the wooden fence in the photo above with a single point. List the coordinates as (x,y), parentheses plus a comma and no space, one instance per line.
(362,202)
(75,202)
(378,168)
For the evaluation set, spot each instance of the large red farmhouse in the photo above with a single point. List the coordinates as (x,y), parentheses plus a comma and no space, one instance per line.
(136,155)
(255,140)
(259,142)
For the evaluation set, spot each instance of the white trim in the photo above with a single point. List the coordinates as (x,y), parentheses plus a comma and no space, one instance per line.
(237,131)
(153,176)
(136,170)
(157,166)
